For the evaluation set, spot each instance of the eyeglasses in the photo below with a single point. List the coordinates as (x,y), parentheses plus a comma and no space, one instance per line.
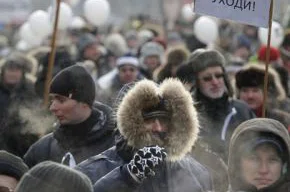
(209,78)
(5,189)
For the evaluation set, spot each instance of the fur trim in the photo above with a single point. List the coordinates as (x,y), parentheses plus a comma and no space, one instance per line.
(116,44)
(183,126)
(175,56)
(30,63)
(273,75)
(204,58)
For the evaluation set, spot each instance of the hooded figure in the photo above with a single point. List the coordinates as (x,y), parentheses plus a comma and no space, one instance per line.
(53,177)
(147,116)
(259,157)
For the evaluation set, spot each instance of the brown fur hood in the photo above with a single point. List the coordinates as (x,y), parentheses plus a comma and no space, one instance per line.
(183,126)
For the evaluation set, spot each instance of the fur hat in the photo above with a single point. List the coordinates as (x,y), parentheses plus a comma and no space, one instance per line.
(76,83)
(171,99)
(12,165)
(177,55)
(53,177)
(116,44)
(252,75)
(202,59)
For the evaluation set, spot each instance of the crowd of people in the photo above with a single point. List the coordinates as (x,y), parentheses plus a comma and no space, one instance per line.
(135,110)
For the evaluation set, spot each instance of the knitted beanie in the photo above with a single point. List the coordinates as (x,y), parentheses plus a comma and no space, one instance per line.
(12,165)
(76,83)
(53,177)
(152,48)
(274,54)
(84,41)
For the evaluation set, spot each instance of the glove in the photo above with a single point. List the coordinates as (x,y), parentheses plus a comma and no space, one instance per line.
(145,161)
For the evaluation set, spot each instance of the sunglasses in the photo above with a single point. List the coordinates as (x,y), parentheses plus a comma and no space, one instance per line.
(209,78)
(5,189)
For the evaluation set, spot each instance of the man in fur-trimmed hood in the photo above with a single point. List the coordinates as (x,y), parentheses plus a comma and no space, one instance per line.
(158,127)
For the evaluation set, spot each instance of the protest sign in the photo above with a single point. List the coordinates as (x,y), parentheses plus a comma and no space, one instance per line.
(253,12)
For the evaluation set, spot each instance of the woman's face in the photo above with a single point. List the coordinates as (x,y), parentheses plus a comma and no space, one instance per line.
(262,167)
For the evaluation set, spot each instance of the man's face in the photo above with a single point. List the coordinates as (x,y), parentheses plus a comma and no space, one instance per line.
(243,53)
(128,73)
(132,43)
(211,82)
(12,76)
(66,110)
(91,52)
(253,96)
(157,129)
(152,62)
(156,125)
(261,168)
(8,182)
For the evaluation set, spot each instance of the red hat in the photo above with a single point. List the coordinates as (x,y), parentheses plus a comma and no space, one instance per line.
(274,54)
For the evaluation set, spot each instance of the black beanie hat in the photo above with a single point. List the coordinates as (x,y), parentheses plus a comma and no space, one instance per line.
(53,177)
(12,165)
(76,83)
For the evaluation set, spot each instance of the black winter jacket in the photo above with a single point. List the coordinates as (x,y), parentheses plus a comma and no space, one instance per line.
(79,144)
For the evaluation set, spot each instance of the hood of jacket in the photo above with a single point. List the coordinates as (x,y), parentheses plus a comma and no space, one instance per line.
(254,126)
(183,125)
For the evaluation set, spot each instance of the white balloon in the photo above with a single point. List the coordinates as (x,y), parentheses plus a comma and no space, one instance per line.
(65,16)
(277,35)
(187,12)
(73,2)
(27,35)
(22,46)
(39,23)
(97,12)
(206,30)
(77,23)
